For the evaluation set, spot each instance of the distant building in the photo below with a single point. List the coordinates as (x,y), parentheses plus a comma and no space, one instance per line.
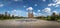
(1,15)
(30,14)
(6,14)
(13,16)
(59,14)
(9,15)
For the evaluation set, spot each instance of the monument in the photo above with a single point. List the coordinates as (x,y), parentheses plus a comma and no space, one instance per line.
(30,13)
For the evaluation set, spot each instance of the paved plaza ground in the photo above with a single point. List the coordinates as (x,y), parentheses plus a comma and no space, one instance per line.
(28,23)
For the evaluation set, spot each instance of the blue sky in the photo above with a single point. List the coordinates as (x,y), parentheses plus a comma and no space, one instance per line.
(19,7)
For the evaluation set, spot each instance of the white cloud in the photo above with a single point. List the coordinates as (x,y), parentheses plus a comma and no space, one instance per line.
(35,5)
(56,3)
(18,0)
(1,5)
(55,12)
(44,0)
(27,13)
(40,14)
(54,0)
(51,4)
(35,14)
(19,13)
(24,6)
(29,8)
(38,10)
(8,11)
(15,11)
(48,10)
(57,6)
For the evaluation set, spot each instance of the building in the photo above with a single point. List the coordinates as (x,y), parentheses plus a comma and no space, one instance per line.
(13,16)
(30,14)
(6,14)
(9,15)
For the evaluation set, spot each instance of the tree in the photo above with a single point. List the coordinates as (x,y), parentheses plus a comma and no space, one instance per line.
(48,17)
(54,16)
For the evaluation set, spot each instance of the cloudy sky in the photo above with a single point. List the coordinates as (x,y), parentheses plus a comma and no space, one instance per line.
(20,7)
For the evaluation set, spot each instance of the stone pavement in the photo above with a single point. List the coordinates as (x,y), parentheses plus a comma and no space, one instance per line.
(27,23)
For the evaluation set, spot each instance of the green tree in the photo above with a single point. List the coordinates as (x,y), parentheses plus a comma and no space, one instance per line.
(54,16)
